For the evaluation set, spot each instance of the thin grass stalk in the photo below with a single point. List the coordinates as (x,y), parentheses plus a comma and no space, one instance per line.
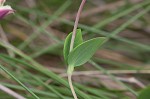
(41,69)
(35,96)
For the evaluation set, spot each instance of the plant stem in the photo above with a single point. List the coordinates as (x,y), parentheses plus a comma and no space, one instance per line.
(71,86)
(70,69)
(76,25)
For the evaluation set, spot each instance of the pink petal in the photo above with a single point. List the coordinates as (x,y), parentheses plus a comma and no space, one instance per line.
(5,10)
(3,13)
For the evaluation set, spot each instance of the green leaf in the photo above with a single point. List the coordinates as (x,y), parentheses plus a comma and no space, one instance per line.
(145,93)
(78,40)
(83,52)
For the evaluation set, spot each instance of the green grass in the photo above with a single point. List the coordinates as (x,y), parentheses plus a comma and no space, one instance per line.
(28,76)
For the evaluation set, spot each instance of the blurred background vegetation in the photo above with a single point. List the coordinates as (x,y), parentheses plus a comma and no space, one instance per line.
(32,39)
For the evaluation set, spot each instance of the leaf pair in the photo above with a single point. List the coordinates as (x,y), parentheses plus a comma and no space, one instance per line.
(82,51)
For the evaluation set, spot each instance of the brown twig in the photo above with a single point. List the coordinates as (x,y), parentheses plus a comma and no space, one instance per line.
(79,73)
(101,76)
(11,92)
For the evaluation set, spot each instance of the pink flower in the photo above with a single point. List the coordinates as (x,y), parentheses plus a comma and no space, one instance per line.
(5,10)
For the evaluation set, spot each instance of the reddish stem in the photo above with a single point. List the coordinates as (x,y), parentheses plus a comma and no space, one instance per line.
(71,47)
(76,24)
